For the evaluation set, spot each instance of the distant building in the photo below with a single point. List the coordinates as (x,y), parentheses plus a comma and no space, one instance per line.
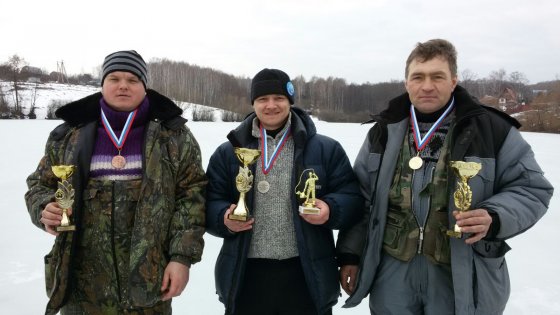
(509,98)
(31,74)
(31,71)
(509,101)
(537,92)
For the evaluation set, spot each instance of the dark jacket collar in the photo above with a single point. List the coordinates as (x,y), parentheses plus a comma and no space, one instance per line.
(465,106)
(87,109)
(302,126)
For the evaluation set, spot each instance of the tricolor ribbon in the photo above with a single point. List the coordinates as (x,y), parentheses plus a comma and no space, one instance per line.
(268,163)
(118,141)
(419,141)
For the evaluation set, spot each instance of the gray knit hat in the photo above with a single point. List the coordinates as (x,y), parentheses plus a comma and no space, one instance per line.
(125,60)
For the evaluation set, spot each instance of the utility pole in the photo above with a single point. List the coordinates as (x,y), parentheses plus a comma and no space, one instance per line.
(61,76)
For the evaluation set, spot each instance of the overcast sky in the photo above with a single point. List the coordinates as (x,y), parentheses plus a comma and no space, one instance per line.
(358,40)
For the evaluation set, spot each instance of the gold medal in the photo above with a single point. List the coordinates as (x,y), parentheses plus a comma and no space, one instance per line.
(263,186)
(118,162)
(415,162)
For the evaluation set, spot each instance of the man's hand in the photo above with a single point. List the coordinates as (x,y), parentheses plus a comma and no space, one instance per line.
(476,221)
(51,217)
(348,275)
(320,218)
(237,226)
(175,279)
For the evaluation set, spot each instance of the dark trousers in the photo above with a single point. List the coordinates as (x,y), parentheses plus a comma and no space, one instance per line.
(274,287)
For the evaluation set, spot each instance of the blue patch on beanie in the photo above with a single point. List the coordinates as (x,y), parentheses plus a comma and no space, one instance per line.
(290,88)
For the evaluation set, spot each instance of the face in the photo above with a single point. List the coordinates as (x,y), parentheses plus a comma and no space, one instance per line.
(272,110)
(123,91)
(430,84)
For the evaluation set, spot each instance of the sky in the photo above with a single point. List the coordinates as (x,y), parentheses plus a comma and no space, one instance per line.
(358,40)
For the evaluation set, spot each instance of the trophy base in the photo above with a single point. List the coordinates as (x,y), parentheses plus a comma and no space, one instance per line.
(239,217)
(309,210)
(456,233)
(66,228)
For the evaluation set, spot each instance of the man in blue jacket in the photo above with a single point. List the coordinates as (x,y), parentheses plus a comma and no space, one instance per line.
(401,254)
(279,261)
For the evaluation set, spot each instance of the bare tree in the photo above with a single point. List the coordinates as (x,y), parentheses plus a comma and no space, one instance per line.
(468,80)
(15,63)
(518,77)
(497,80)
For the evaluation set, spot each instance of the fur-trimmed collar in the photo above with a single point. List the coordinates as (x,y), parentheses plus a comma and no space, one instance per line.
(87,109)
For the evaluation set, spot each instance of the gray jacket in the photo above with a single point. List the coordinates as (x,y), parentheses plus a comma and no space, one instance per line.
(510,184)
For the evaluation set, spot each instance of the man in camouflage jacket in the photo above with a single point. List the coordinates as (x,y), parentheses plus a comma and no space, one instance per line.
(165,226)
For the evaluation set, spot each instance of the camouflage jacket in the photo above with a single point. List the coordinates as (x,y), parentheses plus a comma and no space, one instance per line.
(170,214)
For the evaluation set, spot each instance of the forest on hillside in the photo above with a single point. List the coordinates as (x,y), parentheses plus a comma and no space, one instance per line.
(330,99)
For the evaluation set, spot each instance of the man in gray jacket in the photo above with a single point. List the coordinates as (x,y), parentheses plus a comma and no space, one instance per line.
(414,252)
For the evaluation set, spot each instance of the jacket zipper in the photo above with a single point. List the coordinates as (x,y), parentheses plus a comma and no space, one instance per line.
(421,227)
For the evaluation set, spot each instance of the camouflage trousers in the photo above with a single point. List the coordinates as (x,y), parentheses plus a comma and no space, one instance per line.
(101,271)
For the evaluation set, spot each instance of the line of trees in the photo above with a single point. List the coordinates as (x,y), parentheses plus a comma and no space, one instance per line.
(331,99)
(199,85)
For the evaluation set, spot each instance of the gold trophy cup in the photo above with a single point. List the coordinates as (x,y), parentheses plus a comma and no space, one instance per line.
(463,195)
(244,182)
(308,192)
(64,195)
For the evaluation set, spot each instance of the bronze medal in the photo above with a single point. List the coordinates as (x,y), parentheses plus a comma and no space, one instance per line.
(118,162)
(415,163)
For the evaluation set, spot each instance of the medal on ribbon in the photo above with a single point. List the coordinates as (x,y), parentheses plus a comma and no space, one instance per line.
(263,186)
(420,142)
(118,160)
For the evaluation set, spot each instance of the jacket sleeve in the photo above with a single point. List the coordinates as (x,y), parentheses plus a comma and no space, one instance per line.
(351,241)
(42,185)
(187,223)
(522,193)
(220,193)
(344,199)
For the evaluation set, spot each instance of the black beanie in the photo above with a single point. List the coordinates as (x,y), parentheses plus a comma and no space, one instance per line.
(125,60)
(272,81)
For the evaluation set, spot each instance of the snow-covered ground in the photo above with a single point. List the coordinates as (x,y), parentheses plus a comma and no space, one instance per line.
(533,261)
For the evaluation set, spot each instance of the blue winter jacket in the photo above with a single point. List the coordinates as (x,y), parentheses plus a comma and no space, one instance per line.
(337,186)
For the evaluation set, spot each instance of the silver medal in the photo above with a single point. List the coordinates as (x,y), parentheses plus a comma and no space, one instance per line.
(263,186)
